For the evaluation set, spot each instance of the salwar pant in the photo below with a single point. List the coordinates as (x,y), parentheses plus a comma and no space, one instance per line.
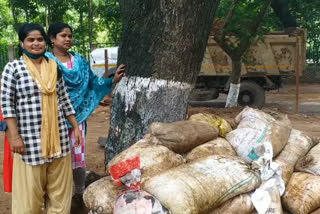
(30,183)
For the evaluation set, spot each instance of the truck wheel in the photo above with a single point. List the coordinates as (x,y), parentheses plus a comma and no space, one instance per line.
(251,94)
(203,95)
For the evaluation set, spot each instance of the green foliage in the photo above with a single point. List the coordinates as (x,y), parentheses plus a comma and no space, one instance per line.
(106,27)
(308,17)
(245,13)
(110,15)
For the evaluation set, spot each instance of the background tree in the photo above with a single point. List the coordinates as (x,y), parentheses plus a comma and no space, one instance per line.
(307,14)
(304,14)
(109,14)
(281,9)
(163,43)
(22,8)
(7,28)
(54,10)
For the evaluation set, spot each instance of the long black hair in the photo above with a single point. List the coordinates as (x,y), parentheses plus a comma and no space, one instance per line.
(25,29)
(56,28)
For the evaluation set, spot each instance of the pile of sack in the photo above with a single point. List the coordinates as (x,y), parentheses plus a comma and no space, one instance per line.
(203,166)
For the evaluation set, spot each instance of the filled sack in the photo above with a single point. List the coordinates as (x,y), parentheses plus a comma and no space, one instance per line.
(100,196)
(127,173)
(202,185)
(153,158)
(213,120)
(298,145)
(218,146)
(182,136)
(302,195)
(239,204)
(316,211)
(311,162)
(258,133)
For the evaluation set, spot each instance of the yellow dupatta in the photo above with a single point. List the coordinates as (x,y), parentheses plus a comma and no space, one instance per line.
(46,80)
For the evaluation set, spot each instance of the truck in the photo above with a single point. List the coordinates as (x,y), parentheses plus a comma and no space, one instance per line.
(97,61)
(270,58)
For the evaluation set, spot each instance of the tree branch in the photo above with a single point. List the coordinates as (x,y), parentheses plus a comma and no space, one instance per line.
(221,38)
(253,29)
(222,42)
(229,16)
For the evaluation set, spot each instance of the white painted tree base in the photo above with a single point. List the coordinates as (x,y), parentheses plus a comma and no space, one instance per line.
(232,99)
(137,102)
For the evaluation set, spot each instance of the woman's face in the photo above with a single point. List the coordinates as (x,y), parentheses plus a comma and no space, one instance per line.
(34,43)
(63,40)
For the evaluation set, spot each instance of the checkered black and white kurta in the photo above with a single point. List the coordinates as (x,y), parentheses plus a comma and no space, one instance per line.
(21,98)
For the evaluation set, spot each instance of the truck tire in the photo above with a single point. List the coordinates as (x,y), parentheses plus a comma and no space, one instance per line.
(203,95)
(251,94)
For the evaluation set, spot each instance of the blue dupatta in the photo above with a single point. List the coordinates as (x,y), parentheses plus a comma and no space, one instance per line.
(86,90)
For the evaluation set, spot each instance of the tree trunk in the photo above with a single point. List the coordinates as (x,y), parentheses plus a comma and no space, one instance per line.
(27,15)
(232,99)
(82,32)
(163,44)
(14,15)
(90,22)
(281,9)
(47,16)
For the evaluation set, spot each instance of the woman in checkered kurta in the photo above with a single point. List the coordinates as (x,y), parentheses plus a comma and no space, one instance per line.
(23,102)
(21,99)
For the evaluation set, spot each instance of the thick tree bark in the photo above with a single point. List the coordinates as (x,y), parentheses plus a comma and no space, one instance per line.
(163,43)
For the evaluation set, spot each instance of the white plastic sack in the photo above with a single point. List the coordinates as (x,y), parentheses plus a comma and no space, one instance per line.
(257,139)
(202,185)
(219,146)
(311,162)
(138,202)
(266,199)
(257,133)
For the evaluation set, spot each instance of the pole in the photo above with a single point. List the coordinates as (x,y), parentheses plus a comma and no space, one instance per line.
(11,53)
(106,73)
(298,64)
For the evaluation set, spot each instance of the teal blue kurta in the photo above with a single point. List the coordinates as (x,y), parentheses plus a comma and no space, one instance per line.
(86,90)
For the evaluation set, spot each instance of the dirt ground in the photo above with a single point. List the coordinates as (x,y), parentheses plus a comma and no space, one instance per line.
(98,126)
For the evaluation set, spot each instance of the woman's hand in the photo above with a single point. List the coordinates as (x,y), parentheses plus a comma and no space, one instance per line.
(17,145)
(77,134)
(15,140)
(119,73)
(78,137)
